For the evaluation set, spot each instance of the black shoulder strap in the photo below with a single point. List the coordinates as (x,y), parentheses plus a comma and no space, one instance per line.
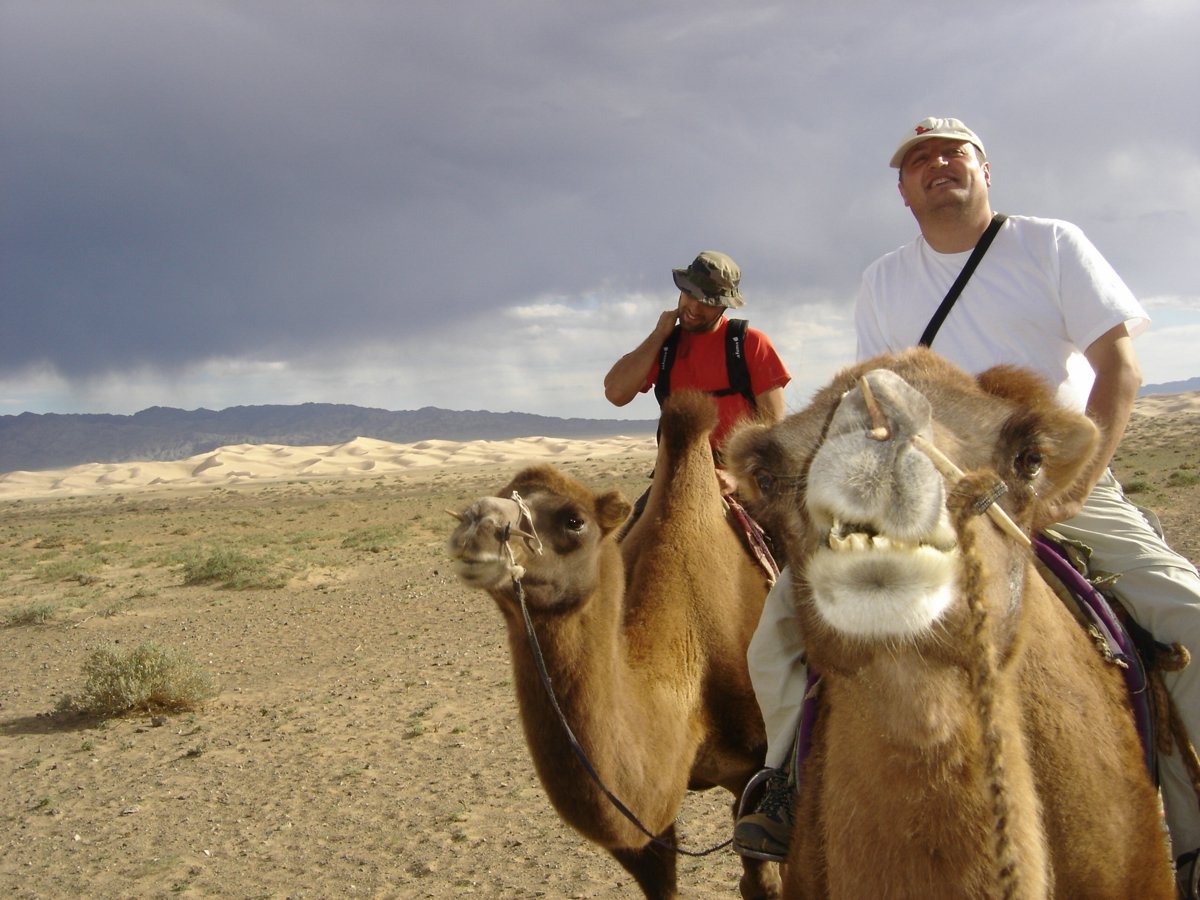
(666,359)
(985,241)
(735,364)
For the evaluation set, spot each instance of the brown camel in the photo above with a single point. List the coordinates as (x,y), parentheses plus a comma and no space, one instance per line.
(644,640)
(971,741)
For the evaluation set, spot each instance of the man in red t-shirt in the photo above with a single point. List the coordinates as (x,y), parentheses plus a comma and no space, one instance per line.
(708,287)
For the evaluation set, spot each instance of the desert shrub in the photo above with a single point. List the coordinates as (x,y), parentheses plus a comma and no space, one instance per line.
(148,678)
(230,568)
(375,539)
(1137,486)
(79,569)
(33,614)
(1183,479)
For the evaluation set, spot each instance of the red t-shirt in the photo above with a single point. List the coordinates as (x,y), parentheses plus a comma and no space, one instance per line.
(700,364)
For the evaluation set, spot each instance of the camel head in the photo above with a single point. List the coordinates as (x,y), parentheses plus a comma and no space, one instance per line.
(856,486)
(552,538)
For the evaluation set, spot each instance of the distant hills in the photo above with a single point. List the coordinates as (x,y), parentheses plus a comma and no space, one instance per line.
(1171,387)
(33,441)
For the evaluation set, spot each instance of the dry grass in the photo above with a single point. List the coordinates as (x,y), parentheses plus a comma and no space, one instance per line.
(364,739)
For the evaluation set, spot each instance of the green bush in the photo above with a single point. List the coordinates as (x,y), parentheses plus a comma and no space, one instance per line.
(148,678)
(374,539)
(1183,479)
(231,569)
(33,614)
(1137,486)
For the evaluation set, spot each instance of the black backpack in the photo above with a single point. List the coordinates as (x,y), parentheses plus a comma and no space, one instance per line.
(735,364)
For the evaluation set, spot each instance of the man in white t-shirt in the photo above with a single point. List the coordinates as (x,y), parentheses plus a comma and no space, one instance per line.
(1044,298)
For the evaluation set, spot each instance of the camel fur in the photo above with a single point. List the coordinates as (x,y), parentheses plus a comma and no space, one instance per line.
(971,740)
(645,643)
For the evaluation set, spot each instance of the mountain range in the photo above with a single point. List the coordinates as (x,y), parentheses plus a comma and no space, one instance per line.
(35,441)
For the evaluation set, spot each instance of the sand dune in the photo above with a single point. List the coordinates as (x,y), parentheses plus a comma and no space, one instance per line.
(261,463)
(1165,404)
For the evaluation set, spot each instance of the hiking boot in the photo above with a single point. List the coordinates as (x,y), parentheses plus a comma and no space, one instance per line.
(766,831)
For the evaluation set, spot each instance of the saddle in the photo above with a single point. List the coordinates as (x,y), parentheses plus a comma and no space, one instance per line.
(1142,658)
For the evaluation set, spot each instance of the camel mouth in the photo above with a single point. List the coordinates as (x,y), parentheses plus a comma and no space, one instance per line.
(483,572)
(873,585)
(844,537)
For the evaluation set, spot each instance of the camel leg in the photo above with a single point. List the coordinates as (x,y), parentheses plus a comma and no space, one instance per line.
(652,866)
(760,880)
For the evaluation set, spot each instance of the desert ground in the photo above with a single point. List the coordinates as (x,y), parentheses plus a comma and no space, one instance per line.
(363,739)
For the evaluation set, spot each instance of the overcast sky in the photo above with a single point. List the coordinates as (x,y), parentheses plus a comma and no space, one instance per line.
(476,204)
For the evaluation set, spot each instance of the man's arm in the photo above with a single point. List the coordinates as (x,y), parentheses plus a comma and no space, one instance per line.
(1118,377)
(625,379)
(770,406)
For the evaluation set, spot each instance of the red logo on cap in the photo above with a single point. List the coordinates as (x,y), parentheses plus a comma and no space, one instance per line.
(921,129)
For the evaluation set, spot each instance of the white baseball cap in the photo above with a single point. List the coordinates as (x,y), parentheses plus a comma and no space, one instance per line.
(935,128)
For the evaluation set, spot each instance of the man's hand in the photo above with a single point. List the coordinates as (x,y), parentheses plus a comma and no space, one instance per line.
(727,483)
(627,377)
(667,320)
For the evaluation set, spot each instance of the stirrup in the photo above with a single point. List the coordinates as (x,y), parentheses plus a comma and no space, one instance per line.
(753,791)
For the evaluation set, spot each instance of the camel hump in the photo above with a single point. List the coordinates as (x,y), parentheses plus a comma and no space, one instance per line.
(687,417)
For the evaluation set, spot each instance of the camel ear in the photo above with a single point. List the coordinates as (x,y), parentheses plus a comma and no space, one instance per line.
(611,510)
(1069,442)
(746,450)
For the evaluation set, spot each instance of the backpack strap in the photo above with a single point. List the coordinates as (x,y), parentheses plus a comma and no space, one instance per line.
(666,359)
(964,276)
(735,364)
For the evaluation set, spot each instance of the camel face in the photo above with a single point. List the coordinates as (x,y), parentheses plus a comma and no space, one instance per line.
(886,562)
(865,515)
(554,539)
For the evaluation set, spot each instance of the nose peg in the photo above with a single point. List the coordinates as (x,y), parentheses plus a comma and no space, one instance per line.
(879,430)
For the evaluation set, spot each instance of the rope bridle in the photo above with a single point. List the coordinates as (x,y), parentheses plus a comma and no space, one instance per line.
(517,572)
(983,675)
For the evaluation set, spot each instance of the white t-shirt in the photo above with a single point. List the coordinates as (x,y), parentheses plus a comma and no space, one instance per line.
(1040,296)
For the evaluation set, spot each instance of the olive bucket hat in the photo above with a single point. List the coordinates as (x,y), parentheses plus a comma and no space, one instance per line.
(713,279)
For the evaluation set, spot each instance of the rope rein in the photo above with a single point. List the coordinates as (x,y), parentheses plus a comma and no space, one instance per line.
(983,677)
(517,572)
(974,499)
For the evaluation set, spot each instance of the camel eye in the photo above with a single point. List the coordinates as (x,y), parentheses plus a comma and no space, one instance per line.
(574,523)
(1029,463)
(764,481)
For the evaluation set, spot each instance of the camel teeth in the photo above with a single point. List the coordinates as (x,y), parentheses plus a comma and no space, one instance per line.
(860,542)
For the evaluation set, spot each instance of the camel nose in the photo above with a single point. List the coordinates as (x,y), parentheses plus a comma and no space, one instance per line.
(885,406)
(490,519)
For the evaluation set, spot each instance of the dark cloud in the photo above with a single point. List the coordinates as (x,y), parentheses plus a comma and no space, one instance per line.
(191,181)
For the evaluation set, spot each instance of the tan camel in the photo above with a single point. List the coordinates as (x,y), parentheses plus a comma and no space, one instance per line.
(645,643)
(971,741)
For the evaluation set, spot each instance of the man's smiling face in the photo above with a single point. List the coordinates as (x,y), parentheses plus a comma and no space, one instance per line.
(943,173)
